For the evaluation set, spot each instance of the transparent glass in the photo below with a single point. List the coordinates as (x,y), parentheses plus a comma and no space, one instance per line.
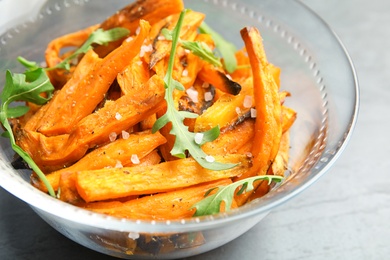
(316,69)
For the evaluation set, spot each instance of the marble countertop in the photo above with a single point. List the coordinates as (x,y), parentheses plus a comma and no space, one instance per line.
(345,215)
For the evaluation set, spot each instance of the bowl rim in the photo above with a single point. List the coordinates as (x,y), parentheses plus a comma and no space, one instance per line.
(78,215)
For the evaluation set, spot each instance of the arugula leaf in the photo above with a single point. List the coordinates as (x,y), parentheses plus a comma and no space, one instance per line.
(185,140)
(226,48)
(24,87)
(211,204)
(200,49)
(203,51)
(30,65)
(100,37)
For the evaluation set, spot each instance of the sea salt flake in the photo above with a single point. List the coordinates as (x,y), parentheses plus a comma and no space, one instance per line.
(118,165)
(208,96)
(145,49)
(118,116)
(238,111)
(112,136)
(253,113)
(247,101)
(184,73)
(161,38)
(199,138)
(125,135)
(210,158)
(129,39)
(134,159)
(133,235)
(193,94)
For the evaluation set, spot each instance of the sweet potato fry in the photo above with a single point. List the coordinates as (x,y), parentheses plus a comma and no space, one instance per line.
(164,206)
(134,76)
(191,22)
(84,67)
(216,77)
(128,17)
(268,126)
(231,141)
(227,109)
(75,101)
(95,129)
(116,183)
(114,154)
(53,54)
(288,118)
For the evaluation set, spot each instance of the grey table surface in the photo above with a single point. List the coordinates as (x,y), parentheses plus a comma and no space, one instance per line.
(345,215)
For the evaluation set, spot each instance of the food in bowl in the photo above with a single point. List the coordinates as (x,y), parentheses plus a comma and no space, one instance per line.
(142,120)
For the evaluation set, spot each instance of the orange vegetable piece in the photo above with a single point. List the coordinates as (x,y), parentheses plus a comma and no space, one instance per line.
(163,206)
(75,101)
(116,183)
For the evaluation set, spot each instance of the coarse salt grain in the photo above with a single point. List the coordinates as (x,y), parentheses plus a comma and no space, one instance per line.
(118,116)
(137,30)
(199,138)
(161,37)
(129,39)
(134,159)
(118,165)
(184,73)
(192,94)
(112,136)
(210,158)
(133,235)
(238,110)
(125,135)
(208,96)
(247,101)
(145,49)
(253,113)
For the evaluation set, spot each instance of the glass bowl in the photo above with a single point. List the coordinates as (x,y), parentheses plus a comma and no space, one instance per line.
(316,69)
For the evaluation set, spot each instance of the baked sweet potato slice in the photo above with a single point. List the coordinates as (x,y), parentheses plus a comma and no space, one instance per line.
(162,47)
(163,206)
(53,56)
(114,154)
(79,99)
(227,109)
(268,126)
(96,129)
(116,183)
(128,17)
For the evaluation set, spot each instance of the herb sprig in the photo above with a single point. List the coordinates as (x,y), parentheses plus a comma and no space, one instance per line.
(226,49)
(26,87)
(185,140)
(29,86)
(212,204)
(200,49)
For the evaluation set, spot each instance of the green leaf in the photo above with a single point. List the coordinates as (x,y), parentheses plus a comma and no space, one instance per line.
(24,87)
(203,51)
(226,48)
(100,37)
(185,140)
(15,112)
(30,65)
(211,204)
(27,87)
